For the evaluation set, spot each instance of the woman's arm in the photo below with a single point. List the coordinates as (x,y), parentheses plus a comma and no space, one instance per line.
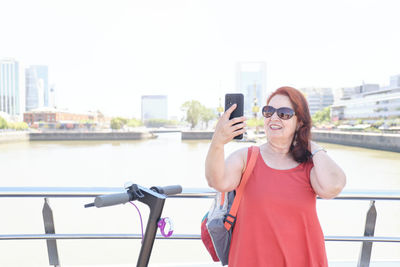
(224,175)
(327,178)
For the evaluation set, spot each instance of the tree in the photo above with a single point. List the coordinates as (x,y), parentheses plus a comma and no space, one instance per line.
(322,116)
(193,111)
(134,123)
(207,114)
(117,123)
(3,123)
(156,123)
(19,126)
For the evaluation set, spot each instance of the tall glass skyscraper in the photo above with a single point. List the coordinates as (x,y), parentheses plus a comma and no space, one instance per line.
(154,107)
(10,87)
(251,82)
(37,87)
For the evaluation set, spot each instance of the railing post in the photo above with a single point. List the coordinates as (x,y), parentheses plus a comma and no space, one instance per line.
(366,248)
(50,229)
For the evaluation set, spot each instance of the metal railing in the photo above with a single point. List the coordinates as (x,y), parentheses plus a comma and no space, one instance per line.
(88,192)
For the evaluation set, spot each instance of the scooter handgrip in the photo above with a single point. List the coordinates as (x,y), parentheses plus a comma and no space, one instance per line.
(171,190)
(109,200)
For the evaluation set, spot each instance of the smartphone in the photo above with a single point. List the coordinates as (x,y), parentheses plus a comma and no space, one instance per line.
(237,99)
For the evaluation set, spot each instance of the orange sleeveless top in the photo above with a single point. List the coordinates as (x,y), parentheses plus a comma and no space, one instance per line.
(277,223)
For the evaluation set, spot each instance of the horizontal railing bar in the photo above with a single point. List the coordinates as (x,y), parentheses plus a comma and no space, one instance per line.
(362,238)
(89,236)
(75,192)
(177,236)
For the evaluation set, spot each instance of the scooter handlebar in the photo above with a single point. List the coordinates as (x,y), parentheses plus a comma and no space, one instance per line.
(110,200)
(122,198)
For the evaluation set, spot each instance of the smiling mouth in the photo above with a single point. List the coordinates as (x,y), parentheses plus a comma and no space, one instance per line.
(275,127)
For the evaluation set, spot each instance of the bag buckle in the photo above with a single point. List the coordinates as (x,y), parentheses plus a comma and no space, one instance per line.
(230,219)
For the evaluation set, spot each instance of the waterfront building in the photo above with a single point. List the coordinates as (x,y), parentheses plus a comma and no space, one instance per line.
(251,82)
(37,87)
(154,107)
(356,91)
(56,118)
(318,98)
(11,95)
(369,105)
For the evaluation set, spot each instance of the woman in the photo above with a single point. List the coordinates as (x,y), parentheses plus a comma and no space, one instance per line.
(277,223)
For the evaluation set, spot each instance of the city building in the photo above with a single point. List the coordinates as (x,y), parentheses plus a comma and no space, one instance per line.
(369,105)
(37,87)
(251,82)
(154,107)
(395,81)
(356,91)
(55,118)
(318,98)
(52,97)
(11,84)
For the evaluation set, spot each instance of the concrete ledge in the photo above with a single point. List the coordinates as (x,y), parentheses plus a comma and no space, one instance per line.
(197,135)
(389,142)
(99,136)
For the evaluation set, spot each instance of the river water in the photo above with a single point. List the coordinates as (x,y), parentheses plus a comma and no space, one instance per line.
(163,161)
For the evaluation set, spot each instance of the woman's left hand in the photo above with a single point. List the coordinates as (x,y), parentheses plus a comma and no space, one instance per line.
(327,178)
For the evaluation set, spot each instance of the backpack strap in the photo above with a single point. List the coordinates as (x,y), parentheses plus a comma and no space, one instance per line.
(231,216)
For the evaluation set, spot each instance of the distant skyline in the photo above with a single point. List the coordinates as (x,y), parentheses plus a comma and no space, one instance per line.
(106,54)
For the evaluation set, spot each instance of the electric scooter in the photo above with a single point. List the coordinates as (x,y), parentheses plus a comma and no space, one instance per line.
(155,199)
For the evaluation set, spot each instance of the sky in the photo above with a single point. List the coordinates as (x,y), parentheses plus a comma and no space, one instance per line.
(105,54)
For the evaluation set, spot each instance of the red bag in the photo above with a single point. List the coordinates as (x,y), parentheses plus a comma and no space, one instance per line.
(206,238)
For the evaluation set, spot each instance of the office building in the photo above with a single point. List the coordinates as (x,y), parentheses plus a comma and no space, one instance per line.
(356,91)
(37,87)
(251,82)
(318,98)
(369,105)
(10,88)
(52,97)
(154,107)
(395,81)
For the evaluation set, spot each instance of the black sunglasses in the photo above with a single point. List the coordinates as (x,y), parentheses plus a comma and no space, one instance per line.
(284,113)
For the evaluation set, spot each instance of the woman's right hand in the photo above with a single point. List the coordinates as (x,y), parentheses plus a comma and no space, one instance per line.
(225,130)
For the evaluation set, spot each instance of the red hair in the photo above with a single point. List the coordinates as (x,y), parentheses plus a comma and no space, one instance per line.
(299,146)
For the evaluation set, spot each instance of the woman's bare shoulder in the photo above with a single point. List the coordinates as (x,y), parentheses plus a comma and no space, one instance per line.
(239,157)
(239,153)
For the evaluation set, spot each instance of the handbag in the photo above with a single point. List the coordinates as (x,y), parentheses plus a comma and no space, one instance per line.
(217,225)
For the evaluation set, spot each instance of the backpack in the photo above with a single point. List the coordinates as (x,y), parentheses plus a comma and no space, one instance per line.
(217,225)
